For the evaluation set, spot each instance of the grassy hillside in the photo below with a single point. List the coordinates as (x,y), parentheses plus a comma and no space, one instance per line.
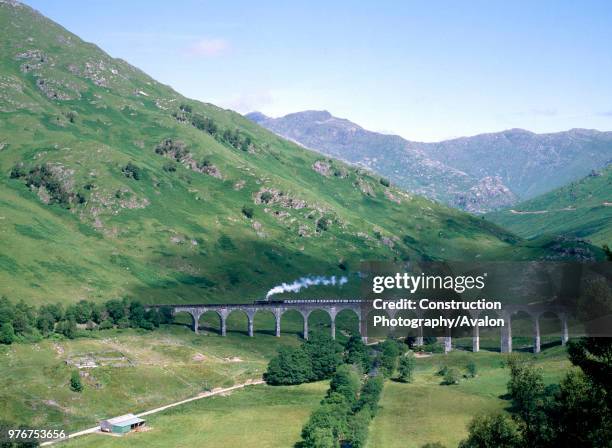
(114,184)
(581,209)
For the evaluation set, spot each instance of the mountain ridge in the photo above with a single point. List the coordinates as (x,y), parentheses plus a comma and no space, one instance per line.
(524,162)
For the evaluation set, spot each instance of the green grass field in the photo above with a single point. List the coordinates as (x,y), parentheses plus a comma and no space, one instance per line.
(261,416)
(136,371)
(411,415)
(173,363)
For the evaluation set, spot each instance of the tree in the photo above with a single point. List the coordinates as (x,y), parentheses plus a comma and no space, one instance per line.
(7,310)
(346,382)
(137,314)
(320,438)
(75,381)
(407,364)
(356,352)
(67,328)
(358,428)
(526,387)
(289,366)
(388,360)
(594,357)
(331,415)
(166,315)
(370,394)
(7,333)
(83,311)
(579,415)
(115,310)
(492,431)
(325,355)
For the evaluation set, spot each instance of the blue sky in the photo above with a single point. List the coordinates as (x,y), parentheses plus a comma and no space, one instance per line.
(426,70)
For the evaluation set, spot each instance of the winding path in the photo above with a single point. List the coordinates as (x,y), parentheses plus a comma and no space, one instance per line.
(201,395)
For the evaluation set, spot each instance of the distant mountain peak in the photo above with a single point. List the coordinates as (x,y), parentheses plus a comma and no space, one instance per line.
(256,116)
(477,173)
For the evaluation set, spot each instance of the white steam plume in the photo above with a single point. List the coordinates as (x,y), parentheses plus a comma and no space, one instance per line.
(305,282)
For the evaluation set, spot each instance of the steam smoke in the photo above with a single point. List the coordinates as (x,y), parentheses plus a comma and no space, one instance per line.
(305,282)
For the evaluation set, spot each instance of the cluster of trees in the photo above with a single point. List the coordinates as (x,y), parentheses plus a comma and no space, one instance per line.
(389,349)
(343,417)
(575,413)
(234,138)
(174,148)
(22,322)
(42,176)
(316,359)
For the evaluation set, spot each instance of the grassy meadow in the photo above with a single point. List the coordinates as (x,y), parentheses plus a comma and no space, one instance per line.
(424,411)
(262,416)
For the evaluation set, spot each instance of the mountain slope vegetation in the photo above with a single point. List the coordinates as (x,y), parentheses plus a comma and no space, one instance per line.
(581,209)
(116,185)
(480,173)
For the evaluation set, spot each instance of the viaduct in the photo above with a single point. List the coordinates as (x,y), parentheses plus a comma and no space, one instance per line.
(362,308)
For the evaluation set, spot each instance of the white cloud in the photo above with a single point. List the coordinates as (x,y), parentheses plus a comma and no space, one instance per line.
(209,47)
(247,102)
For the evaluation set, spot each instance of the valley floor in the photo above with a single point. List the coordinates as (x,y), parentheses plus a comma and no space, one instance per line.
(136,371)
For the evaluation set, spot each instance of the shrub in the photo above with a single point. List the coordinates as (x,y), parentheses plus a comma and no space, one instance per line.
(131,171)
(266,197)
(471,369)
(204,124)
(406,367)
(75,381)
(105,325)
(451,376)
(185,108)
(385,182)
(17,171)
(322,224)
(7,333)
(248,211)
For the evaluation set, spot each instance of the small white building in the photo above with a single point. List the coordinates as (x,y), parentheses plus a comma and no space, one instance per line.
(122,424)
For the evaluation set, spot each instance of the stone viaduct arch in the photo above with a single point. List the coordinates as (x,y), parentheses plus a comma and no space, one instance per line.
(332,307)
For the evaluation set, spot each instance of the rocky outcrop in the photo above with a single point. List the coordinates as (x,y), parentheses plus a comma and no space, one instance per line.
(489,194)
